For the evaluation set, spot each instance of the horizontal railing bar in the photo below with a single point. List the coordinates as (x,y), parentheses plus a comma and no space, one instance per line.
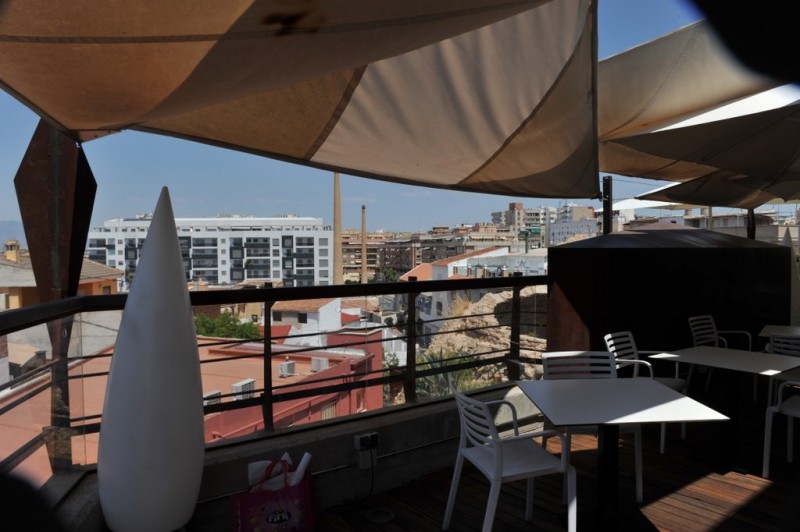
(21,399)
(32,374)
(14,459)
(29,316)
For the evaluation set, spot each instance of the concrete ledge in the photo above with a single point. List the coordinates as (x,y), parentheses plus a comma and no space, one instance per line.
(414,440)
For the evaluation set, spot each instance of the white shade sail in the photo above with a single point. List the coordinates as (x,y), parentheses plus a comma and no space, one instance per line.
(493,96)
(688,112)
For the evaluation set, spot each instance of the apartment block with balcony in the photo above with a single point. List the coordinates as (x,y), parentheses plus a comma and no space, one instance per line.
(288,250)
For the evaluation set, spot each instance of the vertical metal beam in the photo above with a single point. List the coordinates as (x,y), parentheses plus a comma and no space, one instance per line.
(751,224)
(410,381)
(513,351)
(56,190)
(608,212)
(266,398)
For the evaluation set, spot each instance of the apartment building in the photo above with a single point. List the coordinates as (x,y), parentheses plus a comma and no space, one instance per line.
(288,250)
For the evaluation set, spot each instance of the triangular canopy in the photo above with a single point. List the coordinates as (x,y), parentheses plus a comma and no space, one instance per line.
(485,95)
(689,112)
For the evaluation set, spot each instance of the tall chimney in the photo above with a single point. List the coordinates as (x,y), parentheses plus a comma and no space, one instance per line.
(338,268)
(12,250)
(363,243)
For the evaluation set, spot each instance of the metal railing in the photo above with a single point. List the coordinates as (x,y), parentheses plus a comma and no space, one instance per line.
(421,365)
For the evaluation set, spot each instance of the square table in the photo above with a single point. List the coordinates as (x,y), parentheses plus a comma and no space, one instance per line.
(610,403)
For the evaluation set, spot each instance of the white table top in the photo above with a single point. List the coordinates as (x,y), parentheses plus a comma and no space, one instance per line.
(613,401)
(734,359)
(769,330)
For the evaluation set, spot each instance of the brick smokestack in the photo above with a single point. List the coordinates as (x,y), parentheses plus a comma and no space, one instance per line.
(338,267)
(363,243)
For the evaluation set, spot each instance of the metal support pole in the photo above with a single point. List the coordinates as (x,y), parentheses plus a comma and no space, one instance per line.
(608,213)
(751,224)
(513,351)
(266,397)
(410,381)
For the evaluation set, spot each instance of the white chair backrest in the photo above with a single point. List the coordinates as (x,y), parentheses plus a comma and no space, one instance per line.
(477,423)
(785,344)
(579,365)
(622,345)
(704,330)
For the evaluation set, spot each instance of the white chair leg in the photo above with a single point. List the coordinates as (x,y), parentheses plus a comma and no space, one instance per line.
(637,451)
(572,499)
(491,505)
(663,442)
(451,499)
(789,439)
(529,501)
(767,441)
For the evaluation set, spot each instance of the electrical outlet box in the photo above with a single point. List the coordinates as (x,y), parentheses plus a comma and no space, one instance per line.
(366,441)
(367,446)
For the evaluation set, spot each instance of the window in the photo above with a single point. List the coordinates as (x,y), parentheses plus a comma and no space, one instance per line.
(439,308)
(329,410)
(276,253)
(323,273)
(106,290)
(224,262)
(323,252)
(323,241)
(276,242)
(302,317)
(323,263)
(276,315)
(360,404)
(276,263)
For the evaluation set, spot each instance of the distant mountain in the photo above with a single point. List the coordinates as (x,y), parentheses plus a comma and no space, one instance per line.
(11,230)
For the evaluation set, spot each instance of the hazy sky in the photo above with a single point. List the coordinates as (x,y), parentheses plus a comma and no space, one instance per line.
(130,167)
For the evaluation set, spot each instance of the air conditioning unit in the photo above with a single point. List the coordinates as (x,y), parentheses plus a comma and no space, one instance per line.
(318,364)
(286,369)
(212,398)
(243,389)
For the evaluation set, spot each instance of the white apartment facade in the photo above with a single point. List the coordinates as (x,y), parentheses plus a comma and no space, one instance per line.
(292,250)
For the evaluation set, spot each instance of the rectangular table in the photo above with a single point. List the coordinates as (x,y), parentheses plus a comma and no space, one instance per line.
(752,362)
(755,362)
(789,330)
(610,403)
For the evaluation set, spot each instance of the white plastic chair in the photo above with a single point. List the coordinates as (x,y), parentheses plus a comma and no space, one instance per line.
(788,345)
(705,332)
(505,459)
(789,407)
(592,365)
(624,348)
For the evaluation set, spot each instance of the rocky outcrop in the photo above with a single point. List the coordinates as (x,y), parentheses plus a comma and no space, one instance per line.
(487,329)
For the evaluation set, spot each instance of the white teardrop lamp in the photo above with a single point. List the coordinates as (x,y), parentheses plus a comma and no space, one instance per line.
(151,455)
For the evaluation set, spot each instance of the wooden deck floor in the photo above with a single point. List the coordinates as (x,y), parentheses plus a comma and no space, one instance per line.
(710,481)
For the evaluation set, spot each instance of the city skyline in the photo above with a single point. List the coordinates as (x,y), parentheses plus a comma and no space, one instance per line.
(131,167)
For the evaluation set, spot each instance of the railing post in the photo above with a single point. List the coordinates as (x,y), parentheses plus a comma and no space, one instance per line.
(266,397)
(513,348)
(410,381)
